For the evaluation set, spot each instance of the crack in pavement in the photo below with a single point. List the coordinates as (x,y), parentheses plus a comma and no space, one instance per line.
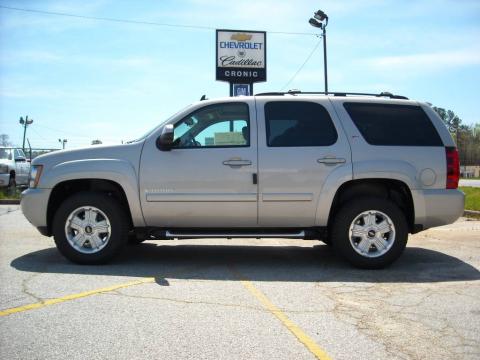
(203,302)
(377,313)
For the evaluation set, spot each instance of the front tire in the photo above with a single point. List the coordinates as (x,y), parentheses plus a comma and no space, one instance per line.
(370,232)
(90,228)
(12,185)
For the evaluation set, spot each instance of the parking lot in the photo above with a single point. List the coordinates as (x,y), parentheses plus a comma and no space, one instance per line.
(239,299)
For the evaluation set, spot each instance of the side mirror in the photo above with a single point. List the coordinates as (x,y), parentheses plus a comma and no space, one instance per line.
(20,159)
(165,140)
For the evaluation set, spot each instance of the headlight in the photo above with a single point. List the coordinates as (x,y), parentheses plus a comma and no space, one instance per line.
(35,173)
(3,169)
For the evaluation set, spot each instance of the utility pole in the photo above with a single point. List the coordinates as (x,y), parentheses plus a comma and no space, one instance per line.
(25,122)
(320,20)
(62,142)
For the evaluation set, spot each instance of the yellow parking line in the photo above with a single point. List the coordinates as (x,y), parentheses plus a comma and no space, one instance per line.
(306,340)
(73,297)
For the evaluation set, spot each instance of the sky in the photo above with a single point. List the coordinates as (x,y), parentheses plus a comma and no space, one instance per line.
(83,79)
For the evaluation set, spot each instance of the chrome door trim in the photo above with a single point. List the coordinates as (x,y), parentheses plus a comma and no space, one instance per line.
(203,197)
(287,196)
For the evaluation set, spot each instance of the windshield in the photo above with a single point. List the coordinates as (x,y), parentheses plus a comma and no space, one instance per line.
(157,127)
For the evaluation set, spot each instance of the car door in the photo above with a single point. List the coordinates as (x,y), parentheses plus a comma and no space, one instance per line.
(21,166)
(207,179)
(300,144)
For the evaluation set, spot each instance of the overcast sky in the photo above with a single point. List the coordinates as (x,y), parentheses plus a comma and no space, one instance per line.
(83,79)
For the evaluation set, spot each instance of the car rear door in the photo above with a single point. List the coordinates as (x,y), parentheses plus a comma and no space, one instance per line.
(300,144)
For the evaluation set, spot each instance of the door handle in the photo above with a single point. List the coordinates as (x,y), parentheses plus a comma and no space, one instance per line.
(331,160)
(237,162)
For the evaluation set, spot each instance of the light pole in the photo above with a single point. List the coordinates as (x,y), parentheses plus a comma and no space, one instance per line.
(320,20)
(25,122)
(62,142)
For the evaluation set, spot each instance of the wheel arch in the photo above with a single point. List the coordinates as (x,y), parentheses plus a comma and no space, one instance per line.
(67,188)
(393,189)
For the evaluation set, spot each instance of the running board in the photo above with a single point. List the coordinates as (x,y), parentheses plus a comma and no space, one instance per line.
(195,235)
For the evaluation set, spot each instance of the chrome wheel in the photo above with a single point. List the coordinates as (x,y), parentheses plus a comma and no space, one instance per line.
(88,229)
(372,233)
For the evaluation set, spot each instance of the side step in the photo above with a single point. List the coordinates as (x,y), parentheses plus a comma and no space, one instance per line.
(179,234)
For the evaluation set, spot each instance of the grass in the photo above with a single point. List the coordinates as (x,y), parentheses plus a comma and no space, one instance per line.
(9,194)
(472,197)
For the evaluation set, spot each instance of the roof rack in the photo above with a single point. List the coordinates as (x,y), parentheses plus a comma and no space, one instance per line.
(298,92)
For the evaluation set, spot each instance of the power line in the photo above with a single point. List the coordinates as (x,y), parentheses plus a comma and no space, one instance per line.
(301,66)
(137,22)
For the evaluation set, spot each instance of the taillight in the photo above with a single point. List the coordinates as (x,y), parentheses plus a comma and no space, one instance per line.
(453,167)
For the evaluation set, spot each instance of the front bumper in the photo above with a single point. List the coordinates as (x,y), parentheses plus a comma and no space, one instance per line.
(34,204)
(437,207)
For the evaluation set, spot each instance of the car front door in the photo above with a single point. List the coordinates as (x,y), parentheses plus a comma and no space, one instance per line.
(22,167)
(300,144)
(208,178)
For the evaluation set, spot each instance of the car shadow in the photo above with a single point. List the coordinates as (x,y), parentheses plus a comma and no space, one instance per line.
(257,263)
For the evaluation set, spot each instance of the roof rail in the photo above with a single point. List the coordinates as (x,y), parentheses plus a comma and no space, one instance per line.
(298,92)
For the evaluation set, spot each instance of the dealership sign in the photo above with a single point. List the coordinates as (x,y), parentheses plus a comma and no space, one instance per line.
(241,56)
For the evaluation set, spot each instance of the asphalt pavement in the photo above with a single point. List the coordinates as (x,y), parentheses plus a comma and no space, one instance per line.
(239,299)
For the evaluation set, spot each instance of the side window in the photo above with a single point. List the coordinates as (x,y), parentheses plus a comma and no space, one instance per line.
(393,125)
(19,153)
(220,125)
(298,123)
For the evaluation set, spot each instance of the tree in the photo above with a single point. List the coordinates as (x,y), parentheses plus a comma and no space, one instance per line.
(466,137)
(4,140)
(449,118)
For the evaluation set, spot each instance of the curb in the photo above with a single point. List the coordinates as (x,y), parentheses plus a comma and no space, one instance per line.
(9,201)
(471,213)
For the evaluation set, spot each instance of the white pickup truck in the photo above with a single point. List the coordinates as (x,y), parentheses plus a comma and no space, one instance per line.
(14,167)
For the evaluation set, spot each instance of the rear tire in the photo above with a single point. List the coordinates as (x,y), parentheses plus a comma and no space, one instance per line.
(90,228)
(370,232)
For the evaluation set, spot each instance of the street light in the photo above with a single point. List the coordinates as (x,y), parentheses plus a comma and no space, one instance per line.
(62,142)
(25,122)
(320,20)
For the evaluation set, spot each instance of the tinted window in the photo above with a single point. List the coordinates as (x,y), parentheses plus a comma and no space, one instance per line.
(394,125)
(298,123)
(220,125)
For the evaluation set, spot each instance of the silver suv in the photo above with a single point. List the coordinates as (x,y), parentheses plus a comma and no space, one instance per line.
(357,172)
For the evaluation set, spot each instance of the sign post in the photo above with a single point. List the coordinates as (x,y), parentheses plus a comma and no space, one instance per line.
(241,59)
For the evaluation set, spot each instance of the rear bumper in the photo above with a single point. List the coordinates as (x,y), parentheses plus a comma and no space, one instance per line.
(437,207)
(34,203)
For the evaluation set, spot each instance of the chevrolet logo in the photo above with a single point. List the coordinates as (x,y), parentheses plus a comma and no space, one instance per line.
(241,37)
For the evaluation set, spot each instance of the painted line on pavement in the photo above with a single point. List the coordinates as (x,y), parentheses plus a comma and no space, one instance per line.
(306,340)
(73,297)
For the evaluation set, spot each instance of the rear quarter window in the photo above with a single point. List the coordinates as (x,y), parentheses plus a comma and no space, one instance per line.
(393,125)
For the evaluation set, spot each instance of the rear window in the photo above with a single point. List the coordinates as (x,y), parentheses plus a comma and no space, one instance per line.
(393,125)
(298,123)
